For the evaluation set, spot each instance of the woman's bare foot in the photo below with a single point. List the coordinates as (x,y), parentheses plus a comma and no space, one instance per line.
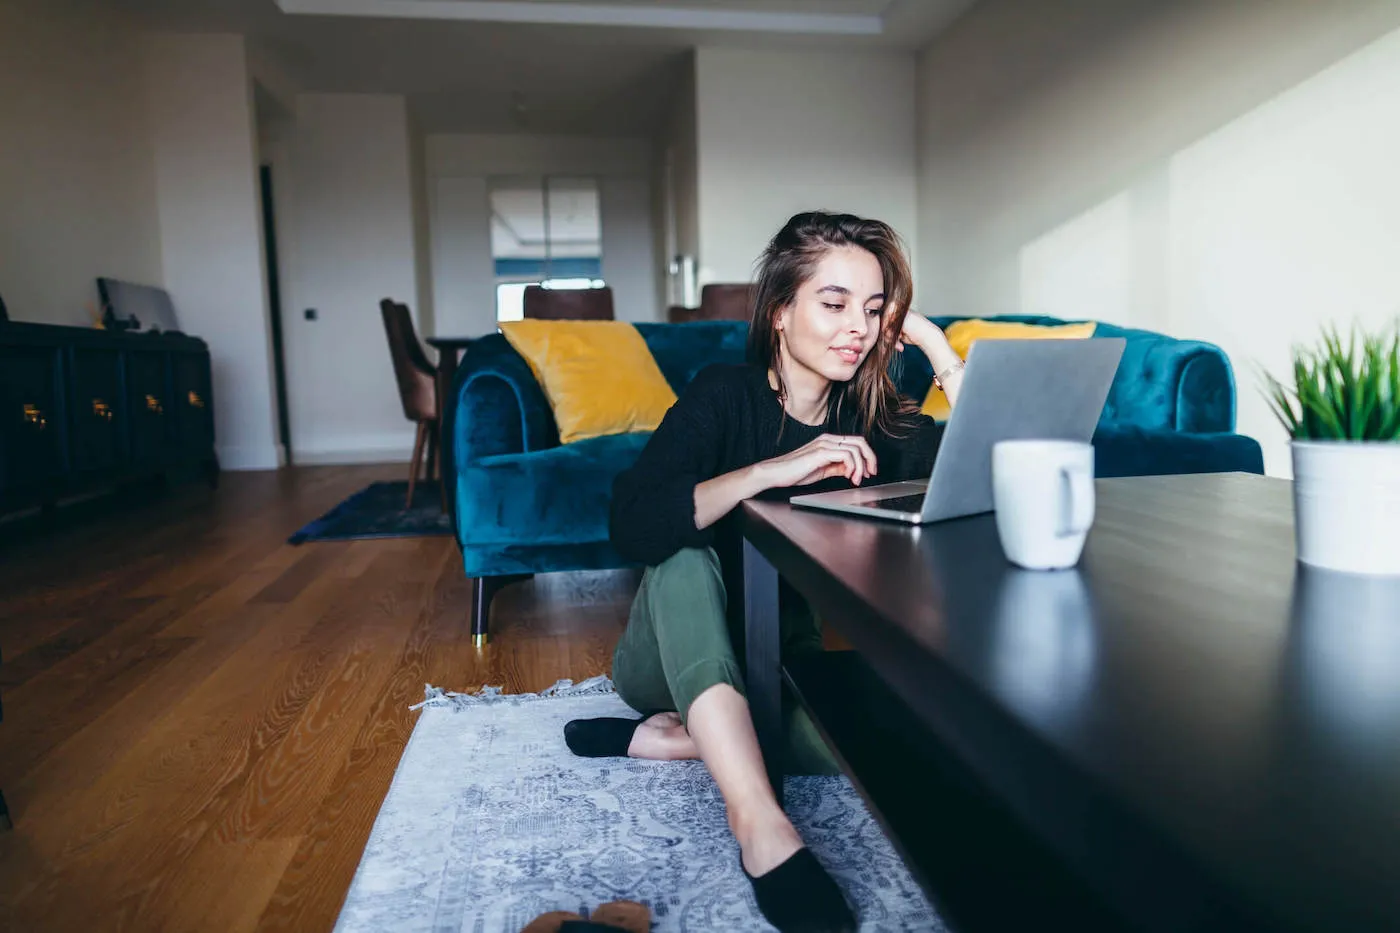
(662,737)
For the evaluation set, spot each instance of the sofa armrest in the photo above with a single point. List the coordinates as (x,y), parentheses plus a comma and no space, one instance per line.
(1206,394)
(499,407)
(1168,384)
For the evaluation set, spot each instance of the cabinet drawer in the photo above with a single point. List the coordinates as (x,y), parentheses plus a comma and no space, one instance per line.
(195,405)
(31,424)
(96,410)
(150,415)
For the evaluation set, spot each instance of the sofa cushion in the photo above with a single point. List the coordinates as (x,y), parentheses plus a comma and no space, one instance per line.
(1124,450)
(599,376)
(963,334)
(552,500)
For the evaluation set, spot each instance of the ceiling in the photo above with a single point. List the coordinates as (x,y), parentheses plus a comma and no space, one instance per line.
(604,68)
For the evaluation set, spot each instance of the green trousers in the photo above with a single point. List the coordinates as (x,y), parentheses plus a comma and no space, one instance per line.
(678,645)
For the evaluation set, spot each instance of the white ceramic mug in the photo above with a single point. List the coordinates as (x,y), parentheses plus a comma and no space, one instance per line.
(1044,497)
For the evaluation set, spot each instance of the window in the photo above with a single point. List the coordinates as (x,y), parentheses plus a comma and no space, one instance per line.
(544,231)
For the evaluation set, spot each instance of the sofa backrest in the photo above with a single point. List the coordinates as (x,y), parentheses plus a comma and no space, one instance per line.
(682,350)
(1162,382)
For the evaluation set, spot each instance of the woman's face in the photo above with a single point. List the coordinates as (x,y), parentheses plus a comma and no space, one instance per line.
(834,320)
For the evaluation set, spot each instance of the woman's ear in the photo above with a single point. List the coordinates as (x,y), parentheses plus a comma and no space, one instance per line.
(780,318)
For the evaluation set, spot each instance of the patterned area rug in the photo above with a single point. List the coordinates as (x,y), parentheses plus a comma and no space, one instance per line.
(377,511)
(490,821)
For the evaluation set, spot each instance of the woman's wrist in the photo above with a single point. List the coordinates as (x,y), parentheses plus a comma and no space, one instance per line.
(754,480)
(941,354)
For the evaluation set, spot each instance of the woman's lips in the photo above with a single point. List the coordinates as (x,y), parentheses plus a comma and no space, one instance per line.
(847,354)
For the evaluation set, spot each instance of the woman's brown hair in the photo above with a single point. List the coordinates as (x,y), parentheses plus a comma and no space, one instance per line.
(869,400)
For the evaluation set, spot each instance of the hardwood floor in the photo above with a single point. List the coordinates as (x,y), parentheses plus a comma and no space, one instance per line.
(201,721)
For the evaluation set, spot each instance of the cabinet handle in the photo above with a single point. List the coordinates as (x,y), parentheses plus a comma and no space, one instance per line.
(34,415)
(195,400)
(101,409)
(153,404)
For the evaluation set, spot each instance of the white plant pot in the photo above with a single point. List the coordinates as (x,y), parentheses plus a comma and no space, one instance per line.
(1346,505)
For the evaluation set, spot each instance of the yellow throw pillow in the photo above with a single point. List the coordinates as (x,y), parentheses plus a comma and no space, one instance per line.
(599,376)
(962,335)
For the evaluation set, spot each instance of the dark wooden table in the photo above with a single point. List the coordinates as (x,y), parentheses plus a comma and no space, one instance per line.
(448,349)
(1188,731)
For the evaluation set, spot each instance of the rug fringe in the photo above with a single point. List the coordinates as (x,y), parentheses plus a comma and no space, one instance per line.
(436,697)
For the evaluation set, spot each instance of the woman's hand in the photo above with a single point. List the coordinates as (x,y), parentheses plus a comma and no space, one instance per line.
(827,456)
(920,332)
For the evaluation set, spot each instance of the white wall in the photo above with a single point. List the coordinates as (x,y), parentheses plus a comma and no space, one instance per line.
(678,185)
(348,238)
(200,98)
(783,132)
(629,248)
(463,270)
(459,166)
(77,174)
(422,232)
(1222,171)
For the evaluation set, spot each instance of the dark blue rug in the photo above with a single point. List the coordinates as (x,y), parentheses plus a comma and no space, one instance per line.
(377,511)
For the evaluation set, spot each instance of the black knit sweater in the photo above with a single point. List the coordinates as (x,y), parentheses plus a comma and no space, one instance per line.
(729,418)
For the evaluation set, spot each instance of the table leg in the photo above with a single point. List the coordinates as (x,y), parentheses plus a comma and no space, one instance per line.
(763,667)
(446,371)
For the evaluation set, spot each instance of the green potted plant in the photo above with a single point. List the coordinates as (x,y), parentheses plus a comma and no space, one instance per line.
(1343,413)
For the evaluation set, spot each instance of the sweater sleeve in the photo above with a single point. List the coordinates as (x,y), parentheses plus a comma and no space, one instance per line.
(653,502)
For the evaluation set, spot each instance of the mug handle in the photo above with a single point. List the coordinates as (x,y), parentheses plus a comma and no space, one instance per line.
(1076,502)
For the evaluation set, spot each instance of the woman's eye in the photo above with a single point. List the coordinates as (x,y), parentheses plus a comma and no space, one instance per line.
(875,311)
(831,307)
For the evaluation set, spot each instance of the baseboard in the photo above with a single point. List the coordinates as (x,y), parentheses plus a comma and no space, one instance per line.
(248,458)
(380,448)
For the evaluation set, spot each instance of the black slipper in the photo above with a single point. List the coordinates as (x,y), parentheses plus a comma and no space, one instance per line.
(800,897)
(605,737)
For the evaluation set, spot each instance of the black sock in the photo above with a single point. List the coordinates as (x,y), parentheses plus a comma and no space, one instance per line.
(800,897)
(600,738)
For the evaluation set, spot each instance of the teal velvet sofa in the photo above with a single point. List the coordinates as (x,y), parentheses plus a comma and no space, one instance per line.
(525,504)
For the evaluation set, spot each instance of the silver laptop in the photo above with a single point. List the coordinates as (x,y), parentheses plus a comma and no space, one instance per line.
(1012,389)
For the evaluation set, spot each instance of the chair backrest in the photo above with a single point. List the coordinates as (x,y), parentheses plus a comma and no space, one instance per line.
(417,387)
(569,304)
(727,302)
(730,301)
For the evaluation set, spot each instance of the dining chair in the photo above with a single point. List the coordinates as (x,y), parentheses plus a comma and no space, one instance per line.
(569,304)
(417,390)
(718,302)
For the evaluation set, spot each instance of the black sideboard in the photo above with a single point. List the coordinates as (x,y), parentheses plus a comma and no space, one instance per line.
(82,409)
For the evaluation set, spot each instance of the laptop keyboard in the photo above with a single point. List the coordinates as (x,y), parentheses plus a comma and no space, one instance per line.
(913,503)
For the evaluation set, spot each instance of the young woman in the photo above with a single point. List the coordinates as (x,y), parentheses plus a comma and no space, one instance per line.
(814,408)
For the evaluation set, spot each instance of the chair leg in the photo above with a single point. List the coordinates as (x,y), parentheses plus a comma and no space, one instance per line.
(415,462)
(432,450)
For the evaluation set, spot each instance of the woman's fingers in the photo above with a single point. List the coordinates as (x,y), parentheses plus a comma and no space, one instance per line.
(858,448)
(844,457)
(862,447)
(837,455)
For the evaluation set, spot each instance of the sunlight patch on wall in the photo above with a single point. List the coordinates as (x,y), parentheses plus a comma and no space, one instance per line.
(1082,269)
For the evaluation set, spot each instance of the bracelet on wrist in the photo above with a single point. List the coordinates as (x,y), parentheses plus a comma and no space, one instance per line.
(951,370)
